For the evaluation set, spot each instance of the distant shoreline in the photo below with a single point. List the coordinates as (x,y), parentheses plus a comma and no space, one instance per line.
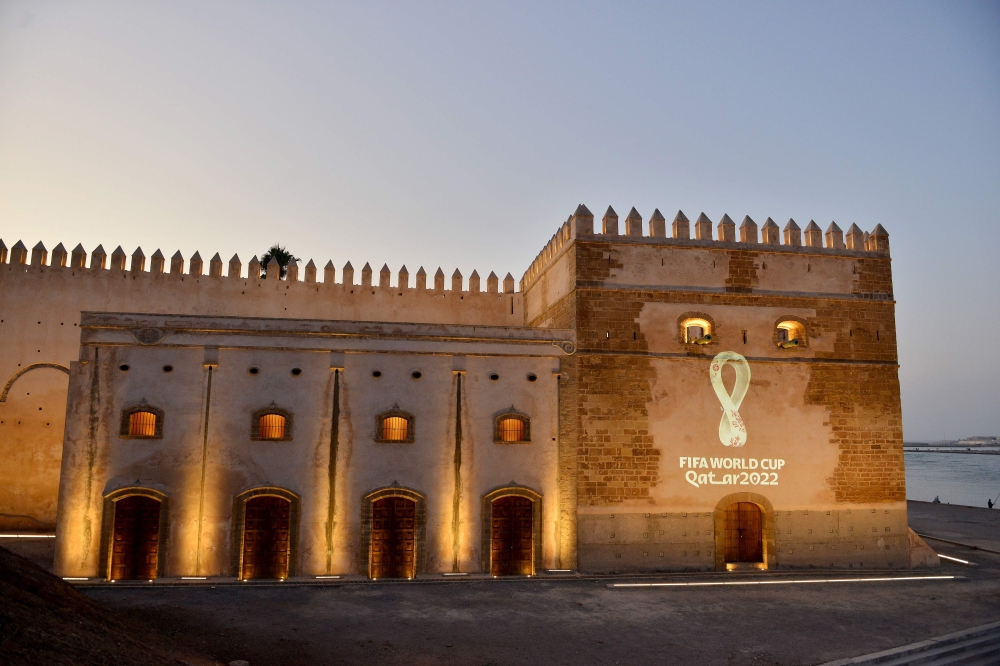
(959,443)
(922,449)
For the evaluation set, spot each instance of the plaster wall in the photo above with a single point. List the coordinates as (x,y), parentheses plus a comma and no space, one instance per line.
(40,310)
(428,464)
(97,461)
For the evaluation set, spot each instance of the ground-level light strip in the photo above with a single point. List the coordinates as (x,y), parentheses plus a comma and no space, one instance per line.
(786,581)
(955,559)
(27,536)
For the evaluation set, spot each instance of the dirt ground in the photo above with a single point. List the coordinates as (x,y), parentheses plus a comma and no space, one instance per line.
(512,622)
(46,621)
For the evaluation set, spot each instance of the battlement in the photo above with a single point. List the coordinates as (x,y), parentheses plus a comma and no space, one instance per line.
(60,258)
(791,239)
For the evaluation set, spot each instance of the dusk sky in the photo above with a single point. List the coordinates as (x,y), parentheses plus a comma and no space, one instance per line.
(462,135)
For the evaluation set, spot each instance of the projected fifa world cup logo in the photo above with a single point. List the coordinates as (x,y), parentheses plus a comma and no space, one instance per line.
(732,430)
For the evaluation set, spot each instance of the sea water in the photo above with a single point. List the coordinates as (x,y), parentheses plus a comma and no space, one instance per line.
(956,478)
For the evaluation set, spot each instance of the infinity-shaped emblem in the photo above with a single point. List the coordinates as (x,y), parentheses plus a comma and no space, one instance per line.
(732,431)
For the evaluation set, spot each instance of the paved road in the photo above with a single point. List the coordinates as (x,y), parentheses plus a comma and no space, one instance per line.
(507,623)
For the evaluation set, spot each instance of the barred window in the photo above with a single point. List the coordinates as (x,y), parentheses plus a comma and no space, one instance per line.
(271,423)
(394,425)
(142,421)
(142,424)
(272,426)
(511,430)
(394,428)
(511,427)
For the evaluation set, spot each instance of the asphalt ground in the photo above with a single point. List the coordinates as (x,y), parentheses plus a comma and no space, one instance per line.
(478,622)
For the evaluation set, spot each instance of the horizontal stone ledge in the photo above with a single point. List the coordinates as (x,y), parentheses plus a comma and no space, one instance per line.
(722,291)
(756,359)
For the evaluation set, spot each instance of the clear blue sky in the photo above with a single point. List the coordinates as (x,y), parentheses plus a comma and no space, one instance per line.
(462,135)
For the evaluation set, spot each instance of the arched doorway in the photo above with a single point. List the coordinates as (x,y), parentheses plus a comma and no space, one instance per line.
(512,544)
(266,537)
(393,538)
(135,539)
(33,411)
(744,533)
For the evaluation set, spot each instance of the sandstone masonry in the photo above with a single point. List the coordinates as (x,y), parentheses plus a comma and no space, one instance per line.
(639,476)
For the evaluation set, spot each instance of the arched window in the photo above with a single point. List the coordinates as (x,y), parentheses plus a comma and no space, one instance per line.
(790,333)
(696,331)
(272,426)
(511,427)
(394,425)
(141,421)
(271,423)
(142,424)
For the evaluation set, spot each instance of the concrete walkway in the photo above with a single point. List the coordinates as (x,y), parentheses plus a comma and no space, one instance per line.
(963,524)
(978,646)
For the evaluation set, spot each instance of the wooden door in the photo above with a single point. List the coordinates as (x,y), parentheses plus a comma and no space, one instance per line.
(512,537)
(393,538)
(266,537)
(744,533)
(135,546)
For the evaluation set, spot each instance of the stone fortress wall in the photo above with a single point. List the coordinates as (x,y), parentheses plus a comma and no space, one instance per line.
(42,296)
(637,412)
(638,401)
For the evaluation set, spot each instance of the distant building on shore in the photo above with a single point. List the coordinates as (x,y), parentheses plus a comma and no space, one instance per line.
(969,441)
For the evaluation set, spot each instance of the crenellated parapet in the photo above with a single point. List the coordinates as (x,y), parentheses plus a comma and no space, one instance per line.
(727,235)
(119,262)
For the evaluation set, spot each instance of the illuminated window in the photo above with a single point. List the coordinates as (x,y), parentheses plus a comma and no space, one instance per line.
(272,426)
(141,421)
(511,427)
(511,430)
(394,426)
(271,423)
(142,424)
(697,331)
(790,334)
